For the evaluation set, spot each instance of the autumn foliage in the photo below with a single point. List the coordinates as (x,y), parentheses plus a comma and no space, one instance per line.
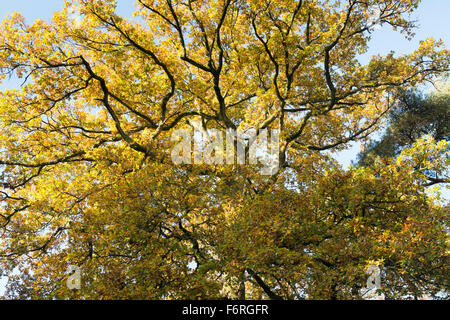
(87,178)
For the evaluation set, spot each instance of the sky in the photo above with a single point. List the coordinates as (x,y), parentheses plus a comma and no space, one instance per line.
(432,18)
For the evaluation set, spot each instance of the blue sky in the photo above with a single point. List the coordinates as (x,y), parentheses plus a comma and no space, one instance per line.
(432,16)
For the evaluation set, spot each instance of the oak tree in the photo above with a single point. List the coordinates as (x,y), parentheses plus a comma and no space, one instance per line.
(87,178)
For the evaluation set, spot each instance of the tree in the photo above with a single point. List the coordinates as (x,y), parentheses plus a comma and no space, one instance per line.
(413,116)
(87,178)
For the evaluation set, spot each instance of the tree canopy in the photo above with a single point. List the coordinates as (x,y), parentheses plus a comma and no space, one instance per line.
(413,116)
(87,178)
